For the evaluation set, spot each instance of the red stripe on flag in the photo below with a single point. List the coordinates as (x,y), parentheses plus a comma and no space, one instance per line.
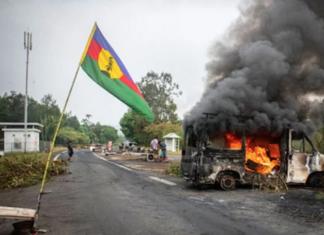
(94,50)
(132,85)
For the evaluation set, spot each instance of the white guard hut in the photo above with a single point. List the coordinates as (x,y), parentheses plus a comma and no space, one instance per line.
(14,137)
(172,141)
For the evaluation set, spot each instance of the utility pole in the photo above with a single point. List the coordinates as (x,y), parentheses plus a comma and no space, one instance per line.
(28,46)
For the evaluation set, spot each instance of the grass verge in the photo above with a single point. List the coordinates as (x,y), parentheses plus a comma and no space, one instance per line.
(175,153)
(60,148)
(174,169)
(23,170)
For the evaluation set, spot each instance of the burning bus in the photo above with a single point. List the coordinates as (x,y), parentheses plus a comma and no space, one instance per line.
(270,66)
(239,157)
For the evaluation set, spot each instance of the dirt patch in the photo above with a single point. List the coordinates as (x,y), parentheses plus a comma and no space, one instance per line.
(303,204)
(139,162)
(120,157)
(161,168)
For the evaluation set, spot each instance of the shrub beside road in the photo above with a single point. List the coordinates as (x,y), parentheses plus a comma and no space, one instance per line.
(174,169)
(23,170)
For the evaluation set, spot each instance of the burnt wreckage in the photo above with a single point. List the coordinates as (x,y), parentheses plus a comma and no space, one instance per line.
(269,65)
(239,157)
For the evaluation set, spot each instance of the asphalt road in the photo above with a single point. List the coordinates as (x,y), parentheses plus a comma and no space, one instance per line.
(100,197)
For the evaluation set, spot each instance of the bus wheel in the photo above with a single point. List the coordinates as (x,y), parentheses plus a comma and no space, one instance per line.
(227,182)
(316,180)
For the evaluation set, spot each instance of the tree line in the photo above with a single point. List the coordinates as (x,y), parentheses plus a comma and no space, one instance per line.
(159,91)
(47,113)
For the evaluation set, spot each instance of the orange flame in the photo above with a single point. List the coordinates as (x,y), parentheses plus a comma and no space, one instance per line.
(256,153)
(232,142)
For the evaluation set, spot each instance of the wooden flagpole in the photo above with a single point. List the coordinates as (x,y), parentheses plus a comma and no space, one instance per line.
(58,126)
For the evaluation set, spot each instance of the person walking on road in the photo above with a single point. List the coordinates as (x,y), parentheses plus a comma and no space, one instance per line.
(70,151)
(155,147)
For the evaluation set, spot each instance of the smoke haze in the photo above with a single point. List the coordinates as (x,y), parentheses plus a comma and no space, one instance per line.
(269,64)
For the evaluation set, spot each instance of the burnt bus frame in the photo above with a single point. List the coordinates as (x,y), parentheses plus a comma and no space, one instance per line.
(241,152)
(285,147)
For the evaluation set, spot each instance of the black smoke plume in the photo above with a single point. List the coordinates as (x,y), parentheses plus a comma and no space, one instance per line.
(268,68)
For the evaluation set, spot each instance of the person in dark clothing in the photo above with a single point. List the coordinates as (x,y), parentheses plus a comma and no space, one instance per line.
(70,150)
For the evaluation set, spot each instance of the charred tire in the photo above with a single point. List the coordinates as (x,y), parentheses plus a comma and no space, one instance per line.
(150,158)
(227,182)
(316,180)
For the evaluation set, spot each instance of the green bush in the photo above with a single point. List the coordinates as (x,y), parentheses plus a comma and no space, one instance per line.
(174,169)
(20,170)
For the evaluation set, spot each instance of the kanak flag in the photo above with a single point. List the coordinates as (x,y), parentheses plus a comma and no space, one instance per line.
(104,67)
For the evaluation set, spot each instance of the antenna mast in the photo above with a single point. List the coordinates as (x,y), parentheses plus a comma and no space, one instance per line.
(28,47)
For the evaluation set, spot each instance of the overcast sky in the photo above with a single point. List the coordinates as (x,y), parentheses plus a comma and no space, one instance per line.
(164,36)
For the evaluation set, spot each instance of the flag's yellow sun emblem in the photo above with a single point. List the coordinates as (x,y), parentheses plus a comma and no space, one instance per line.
(108,64)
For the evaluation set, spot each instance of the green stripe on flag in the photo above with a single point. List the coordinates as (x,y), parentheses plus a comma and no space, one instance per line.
(117,89)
